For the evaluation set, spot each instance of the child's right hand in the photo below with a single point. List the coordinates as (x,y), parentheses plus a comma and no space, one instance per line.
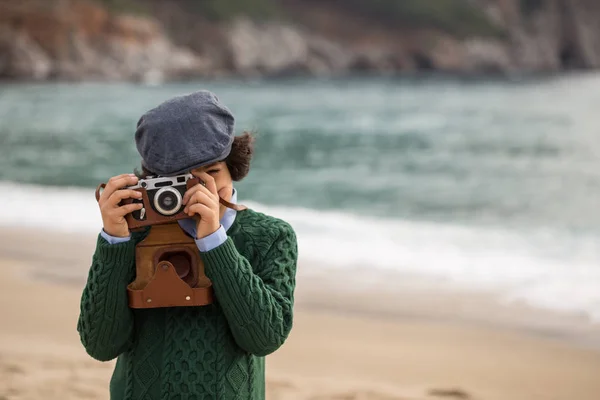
(113,214)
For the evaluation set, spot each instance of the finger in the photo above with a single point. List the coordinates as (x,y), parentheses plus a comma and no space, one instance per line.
(128,208)
(119,195)
(200,198)
(120,176)
(116,183)
(199,209)
(226,193)
(210,182)
(188,193)
(194,189)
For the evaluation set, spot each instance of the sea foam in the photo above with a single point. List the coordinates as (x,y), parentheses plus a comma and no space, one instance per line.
(551,270)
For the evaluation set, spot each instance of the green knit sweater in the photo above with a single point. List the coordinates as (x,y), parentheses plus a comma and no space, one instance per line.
(184,353)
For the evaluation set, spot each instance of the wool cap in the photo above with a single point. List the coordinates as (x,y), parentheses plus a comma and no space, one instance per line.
(184,133)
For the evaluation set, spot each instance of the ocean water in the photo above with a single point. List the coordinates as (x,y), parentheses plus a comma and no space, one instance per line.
(485,185)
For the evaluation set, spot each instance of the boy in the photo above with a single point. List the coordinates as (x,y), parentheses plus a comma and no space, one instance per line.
(207,352)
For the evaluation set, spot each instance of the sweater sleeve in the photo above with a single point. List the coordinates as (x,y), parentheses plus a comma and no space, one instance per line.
(258,305)
(105,322)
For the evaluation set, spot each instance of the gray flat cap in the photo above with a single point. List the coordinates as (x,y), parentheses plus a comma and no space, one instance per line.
(184,133)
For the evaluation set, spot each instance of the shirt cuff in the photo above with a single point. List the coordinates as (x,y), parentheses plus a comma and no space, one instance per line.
(212,241)
(113,239)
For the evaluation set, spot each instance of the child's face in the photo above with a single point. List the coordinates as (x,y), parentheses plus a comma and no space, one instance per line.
(222,177)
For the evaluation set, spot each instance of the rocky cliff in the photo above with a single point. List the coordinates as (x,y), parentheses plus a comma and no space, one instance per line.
(75,40)
(80,39)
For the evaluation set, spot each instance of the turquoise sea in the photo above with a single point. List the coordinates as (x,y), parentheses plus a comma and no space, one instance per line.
(488,185)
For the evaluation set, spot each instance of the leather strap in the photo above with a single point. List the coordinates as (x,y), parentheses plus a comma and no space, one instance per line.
(166,289)
(100,186)
(237,207)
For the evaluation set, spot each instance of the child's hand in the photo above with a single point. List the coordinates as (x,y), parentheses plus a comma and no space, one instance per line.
(113,215)
(203,201)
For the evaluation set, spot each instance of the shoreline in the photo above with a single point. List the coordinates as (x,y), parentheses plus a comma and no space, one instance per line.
(421,300)
(407,298)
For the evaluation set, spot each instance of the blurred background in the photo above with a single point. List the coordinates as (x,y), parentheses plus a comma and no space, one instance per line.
(421,149)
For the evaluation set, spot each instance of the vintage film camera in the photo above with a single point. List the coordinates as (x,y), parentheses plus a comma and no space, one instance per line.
(169,270)
(162,197)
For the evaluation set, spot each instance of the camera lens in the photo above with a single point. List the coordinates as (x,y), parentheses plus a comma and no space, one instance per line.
(167,201)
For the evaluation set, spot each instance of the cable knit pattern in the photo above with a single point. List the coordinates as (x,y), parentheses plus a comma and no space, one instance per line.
(106,322)
(256,301)
(194,353)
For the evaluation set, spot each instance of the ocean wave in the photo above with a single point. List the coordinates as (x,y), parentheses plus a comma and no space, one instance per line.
(551,270)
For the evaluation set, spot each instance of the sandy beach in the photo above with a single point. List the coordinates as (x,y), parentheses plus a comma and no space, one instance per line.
(342,346)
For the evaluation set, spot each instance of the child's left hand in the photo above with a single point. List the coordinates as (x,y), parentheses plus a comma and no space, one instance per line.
(203,201)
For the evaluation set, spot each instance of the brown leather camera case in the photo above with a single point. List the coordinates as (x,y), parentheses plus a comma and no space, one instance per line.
(169,271)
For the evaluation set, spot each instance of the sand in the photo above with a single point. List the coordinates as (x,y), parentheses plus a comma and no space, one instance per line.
(335,350)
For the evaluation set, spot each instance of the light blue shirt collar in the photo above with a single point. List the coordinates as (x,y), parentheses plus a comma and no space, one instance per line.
(230,214)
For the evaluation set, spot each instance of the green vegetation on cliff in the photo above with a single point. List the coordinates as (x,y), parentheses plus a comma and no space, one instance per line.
(215,10)
(226,9)
(456,17)
(529,7)
(124,6)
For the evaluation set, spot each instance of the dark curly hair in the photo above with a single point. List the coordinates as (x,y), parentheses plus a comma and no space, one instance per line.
(238,160)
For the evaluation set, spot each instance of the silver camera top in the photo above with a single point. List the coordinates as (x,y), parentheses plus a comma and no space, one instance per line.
(157,182)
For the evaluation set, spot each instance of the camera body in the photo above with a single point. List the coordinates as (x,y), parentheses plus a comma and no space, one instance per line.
(162,197)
